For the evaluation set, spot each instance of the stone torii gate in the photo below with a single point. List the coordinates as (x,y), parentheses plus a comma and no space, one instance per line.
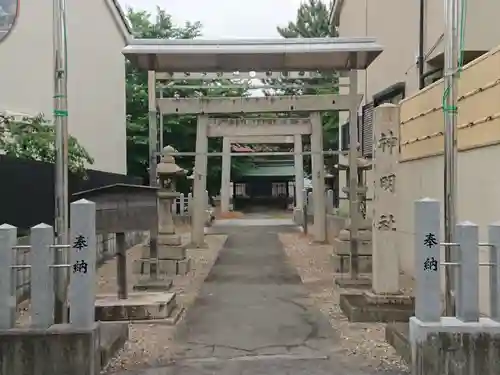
(274,55)
(208,128)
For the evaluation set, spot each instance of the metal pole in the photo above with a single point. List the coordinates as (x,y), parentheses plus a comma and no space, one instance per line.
(61,162)
(153,152)
(353,174)
(451,56)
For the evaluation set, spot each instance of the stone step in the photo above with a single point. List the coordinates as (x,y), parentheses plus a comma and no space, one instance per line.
(363,235)
(168,267)
(366,224)
(344,247)
(341,264)
(138,306)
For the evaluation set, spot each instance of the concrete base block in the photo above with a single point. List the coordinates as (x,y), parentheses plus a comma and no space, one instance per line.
(298,216)
(145,284)
(453,347)
(343,247)
(183,266)
(171,252)
(370,308)
(169,239)
(342,263)
(366,224)
(166,267)
(193,245)
(114,335)
(359,283)
(363,235)
(398,336)
(138,306)
(59,350)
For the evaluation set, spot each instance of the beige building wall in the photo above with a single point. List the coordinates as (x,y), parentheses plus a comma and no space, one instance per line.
(395,25)
(421,168)
(481,30)
(96,74)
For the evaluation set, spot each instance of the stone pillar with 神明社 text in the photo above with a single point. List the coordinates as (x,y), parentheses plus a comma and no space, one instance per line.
(386,155)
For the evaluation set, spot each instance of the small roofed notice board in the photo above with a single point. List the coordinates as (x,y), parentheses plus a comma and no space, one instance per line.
(123,208)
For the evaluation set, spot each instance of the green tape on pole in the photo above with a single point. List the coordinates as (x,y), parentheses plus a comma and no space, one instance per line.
(59,113)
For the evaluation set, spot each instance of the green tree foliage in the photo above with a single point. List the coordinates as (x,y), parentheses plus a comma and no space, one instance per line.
(33,138)
(313,21)
(178,131)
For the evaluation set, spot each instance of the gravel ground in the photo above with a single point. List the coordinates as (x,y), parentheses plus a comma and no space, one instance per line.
(153,344)
(363,342)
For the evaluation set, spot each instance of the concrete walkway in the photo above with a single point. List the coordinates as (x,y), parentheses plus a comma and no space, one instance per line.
(253,317)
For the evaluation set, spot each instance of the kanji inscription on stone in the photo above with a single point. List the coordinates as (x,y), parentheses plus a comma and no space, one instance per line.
(386,222)
(430,240)
(387,141)
(431,264)
(388,182)
(80,242)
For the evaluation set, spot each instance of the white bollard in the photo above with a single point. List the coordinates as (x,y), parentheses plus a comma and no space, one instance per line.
(467,289)
(8,239)
(42,275)
(82,288)
(427,260)
(494,241)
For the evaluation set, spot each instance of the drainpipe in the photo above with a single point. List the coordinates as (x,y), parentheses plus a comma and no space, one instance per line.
(421,35)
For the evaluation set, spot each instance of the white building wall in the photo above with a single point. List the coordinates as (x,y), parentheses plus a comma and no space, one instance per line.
(96,75)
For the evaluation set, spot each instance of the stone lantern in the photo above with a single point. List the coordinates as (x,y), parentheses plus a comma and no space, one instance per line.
(167,253)
(168,173)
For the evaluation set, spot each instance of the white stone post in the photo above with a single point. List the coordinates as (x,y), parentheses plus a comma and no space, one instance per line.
(190,204)
(329,202)
(82,288)
(225,185)
(310,203)
(42,280)
(182,204)
(427,260)
(318,177)
(299,172)
(200,182)
(173,205)
(467,288)
(8,239)
(385,248)
(494,241)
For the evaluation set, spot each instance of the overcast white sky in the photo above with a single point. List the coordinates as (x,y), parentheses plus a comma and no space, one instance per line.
(227,18)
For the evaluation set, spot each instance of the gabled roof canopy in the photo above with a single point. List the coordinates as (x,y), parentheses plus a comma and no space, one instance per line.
(324,54)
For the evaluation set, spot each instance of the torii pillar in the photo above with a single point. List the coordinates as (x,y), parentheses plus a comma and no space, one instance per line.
(199,183)
(225,188)
(299,174)
(318,178)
